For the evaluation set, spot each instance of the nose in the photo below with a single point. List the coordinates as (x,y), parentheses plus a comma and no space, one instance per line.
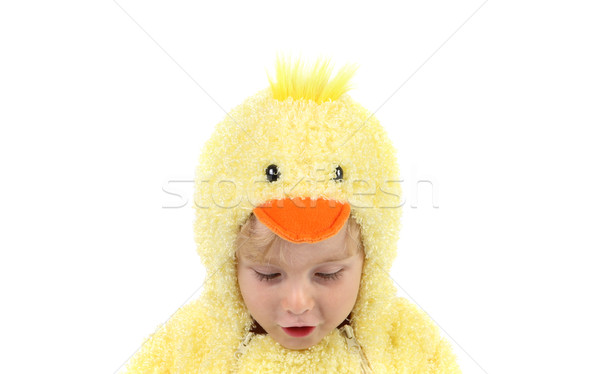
(297,298)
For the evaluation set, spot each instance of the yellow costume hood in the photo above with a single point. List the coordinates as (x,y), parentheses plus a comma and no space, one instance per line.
(307,126)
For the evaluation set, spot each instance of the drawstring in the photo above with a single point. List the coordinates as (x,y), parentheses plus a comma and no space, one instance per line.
(353,346)
(346,331)
(243,345)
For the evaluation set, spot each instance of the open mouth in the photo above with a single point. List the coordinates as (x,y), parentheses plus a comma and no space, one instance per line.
(298,332)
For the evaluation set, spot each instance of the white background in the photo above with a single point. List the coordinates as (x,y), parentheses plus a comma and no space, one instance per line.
(96,119)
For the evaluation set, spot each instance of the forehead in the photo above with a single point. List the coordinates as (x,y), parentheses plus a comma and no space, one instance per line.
(328,250)
(306,253)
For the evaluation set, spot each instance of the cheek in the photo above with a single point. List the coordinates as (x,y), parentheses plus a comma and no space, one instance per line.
(253,291)
(345,293)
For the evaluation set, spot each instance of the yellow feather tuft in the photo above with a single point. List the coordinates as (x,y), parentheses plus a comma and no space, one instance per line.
(301,82)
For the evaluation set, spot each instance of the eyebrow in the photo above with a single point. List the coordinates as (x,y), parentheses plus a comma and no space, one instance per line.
(342,257)
(336,258)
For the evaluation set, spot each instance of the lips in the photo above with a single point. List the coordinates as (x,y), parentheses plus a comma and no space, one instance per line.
(299,331)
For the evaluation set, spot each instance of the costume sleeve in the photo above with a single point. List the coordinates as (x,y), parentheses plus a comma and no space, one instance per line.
(443,359)
(169,349)
(418,343)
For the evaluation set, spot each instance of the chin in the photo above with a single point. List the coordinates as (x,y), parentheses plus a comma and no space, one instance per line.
(297,346)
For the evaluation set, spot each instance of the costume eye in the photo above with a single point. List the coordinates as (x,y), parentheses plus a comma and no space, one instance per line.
(272,172)
(265,277)
(339,174)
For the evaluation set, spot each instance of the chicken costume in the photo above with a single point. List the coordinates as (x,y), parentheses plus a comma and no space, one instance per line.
(302,156)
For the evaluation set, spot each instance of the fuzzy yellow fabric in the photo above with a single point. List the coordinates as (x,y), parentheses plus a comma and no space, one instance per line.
(299,81)
(404,340)
(307,140)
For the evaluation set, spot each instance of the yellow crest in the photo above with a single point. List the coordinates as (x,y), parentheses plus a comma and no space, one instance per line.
(299,81)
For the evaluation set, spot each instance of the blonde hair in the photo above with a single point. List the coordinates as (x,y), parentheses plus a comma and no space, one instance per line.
(299,81)
(254,242)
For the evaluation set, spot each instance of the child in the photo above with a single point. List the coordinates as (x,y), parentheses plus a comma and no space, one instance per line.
(298,292)
(297,218)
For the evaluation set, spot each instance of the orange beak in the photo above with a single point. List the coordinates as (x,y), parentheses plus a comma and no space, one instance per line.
(302,220)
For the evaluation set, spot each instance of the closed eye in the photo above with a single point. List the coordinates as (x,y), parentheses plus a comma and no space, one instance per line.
(330,276)
(266,277)
(324,276)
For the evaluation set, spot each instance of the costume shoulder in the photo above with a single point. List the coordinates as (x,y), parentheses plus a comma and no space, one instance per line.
(176,346)
(416,340)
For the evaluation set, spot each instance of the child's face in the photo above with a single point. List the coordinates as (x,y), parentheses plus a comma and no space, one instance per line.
(316,286)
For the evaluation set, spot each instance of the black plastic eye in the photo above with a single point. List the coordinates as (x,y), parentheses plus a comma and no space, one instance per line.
(272,173)
(339,174)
